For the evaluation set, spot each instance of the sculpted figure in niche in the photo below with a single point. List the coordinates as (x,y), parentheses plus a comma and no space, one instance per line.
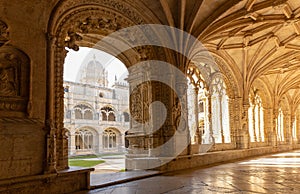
(8,79)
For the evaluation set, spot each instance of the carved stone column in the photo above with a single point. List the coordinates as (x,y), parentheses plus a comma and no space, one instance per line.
(274,131)
(253,123)
(288,127)
(232,126)
(292,125)
(73,144)
(298,128)
(268,128)
(259,126)
(221,118)
(158,127)
(198,134)
(139,103)
(209,118)
(50,166)
(243,133)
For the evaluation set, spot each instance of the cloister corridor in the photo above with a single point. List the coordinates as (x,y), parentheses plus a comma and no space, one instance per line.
(275,173)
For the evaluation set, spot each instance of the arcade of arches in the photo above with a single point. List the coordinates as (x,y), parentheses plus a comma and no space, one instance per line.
(95,114)
(242,100)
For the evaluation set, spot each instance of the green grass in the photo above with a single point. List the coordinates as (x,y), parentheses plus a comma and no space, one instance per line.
(85,163)
(83,156)
(94,156)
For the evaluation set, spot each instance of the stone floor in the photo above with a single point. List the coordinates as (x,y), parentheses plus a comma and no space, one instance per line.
(112,164)
(277,173)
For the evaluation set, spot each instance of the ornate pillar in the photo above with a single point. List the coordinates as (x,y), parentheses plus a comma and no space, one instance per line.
(198,134)
(232,126)
(275,125)
(221,118)
(51,151)
(288,127)
(298,128)
(209,118)
(267,124)
(72,144)
(243,133)
(100,144)
(51,148)
(253,122)
(292,124)
(139,104)
(258,121)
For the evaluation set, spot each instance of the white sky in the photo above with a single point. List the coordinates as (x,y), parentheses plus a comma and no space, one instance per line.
(74,60)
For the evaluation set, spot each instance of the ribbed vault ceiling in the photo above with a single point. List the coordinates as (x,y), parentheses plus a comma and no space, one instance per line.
(261,37)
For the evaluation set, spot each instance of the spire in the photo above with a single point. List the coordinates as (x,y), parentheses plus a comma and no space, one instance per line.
(115,78)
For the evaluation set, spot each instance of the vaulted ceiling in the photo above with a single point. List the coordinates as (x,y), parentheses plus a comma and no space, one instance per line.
(263,39)
(260,37)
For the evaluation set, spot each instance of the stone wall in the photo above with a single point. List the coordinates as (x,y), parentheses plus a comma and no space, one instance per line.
(22,113)
(66,181)
(213,158)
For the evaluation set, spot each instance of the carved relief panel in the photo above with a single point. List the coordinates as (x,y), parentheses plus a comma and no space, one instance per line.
(14,78)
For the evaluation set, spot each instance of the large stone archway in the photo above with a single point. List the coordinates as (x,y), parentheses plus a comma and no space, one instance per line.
(84,24)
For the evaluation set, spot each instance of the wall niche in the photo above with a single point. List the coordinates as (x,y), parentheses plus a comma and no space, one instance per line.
(14,82)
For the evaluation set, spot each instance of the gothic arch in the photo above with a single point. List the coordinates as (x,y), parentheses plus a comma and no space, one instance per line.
(108,113)
(85,138)
(85,104)
(84,111)
(232,75)
(62,33)
(111,138)
(264,92)
(229,90)
(92,129)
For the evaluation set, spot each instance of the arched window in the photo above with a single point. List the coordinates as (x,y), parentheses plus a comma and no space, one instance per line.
(109,139)
(196,94)
(83,112)
(83,139)
(78,114)
(111,116)
(256,119)
(126,116)
(220,111)
(280,126)
(108,114)
(104,116)
(88,114)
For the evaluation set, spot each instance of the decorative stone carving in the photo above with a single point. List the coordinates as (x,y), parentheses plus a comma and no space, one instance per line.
(14,81)
(94,24)
(71,39)
(136,105)
(9,83)
(50,165)
(3,33)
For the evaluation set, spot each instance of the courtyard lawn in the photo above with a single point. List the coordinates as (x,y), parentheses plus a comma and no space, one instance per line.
(83,156)
(85,163)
